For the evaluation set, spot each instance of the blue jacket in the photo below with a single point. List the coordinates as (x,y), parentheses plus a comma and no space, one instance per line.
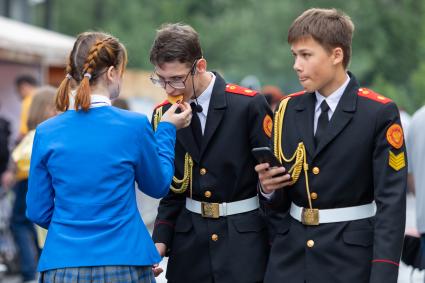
(81,186)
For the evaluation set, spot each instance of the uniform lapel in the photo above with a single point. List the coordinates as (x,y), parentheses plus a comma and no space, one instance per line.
(344,112)
(304,120)
(187,140)
(216,111)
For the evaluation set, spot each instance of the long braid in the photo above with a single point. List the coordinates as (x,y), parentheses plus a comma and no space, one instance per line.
(82,98)
(62,95)
(92,53)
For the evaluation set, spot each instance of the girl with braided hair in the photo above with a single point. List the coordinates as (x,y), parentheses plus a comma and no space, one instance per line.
(84,165)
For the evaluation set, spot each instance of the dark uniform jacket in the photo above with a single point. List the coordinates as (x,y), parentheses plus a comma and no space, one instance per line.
(359,160)
(233,248)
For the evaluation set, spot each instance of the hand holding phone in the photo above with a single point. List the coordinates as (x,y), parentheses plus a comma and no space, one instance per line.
(265,155)
(271,177)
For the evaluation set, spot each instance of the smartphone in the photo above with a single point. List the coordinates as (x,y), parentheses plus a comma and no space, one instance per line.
(265,155)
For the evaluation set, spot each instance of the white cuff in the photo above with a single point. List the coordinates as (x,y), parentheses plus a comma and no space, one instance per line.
(267,196)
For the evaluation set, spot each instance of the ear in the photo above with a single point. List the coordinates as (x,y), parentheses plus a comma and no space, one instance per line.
(338,55)
(111,73)
(201,66)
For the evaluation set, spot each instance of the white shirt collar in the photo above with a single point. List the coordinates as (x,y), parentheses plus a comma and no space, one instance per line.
(333,99)
(205,97)
(96,100)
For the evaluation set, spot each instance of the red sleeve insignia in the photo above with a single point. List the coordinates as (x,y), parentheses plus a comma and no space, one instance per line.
(395,136)
(268,125)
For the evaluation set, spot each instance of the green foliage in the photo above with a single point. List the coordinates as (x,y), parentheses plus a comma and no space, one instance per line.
(242,37)
(397,93)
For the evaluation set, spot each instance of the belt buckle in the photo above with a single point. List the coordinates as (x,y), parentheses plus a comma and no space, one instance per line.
(210,210)
(310,216)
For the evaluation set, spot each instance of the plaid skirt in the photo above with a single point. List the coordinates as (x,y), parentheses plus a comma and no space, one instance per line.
(99,274)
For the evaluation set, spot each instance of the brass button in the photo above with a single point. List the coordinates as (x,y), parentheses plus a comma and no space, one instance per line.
(310,243)
(214,237)
(313,196)
(207,194)
(316,170)
(203,171)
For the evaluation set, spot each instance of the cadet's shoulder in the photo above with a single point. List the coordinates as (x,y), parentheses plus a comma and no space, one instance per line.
(369,95)
(240,90)
(162,104)
(295,94)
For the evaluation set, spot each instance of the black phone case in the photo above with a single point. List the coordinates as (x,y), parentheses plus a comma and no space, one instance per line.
(265,155)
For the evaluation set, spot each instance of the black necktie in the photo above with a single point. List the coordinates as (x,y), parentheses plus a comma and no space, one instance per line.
(196,125)
(322,123)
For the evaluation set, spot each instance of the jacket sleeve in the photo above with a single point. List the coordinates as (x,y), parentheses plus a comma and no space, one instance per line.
(278,202)
(261,136)
(390,182)
(40,196)
(168,210)
(155,167)
(260,120)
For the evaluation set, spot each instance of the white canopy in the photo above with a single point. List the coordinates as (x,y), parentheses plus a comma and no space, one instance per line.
(20,39)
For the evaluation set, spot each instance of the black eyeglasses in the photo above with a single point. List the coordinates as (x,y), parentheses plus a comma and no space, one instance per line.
(176,84)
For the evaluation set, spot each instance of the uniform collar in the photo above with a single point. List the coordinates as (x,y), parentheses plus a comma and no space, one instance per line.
(205,97)
(98,100)
(333,99)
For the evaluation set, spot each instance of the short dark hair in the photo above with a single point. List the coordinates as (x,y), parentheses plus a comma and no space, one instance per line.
(329,27)
(26,79)
(175,42)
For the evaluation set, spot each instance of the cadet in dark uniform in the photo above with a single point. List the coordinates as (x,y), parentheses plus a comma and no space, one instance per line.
(209,224)
(345,180)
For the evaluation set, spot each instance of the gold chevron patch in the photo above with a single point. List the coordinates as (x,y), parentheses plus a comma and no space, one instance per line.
(397,161)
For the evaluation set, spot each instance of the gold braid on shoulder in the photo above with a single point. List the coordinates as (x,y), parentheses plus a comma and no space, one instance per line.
(299,157)
(178,186)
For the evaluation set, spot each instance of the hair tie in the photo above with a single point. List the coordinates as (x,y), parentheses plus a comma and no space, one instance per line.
(88,75)
(68,76)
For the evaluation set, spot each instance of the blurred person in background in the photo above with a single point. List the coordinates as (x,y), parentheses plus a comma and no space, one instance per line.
(405,119)
(42,107)
(416,155)
(4,214)
(4,144)
(251,82)
(26,86)
(121,103)
(84,166)
(273,95)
